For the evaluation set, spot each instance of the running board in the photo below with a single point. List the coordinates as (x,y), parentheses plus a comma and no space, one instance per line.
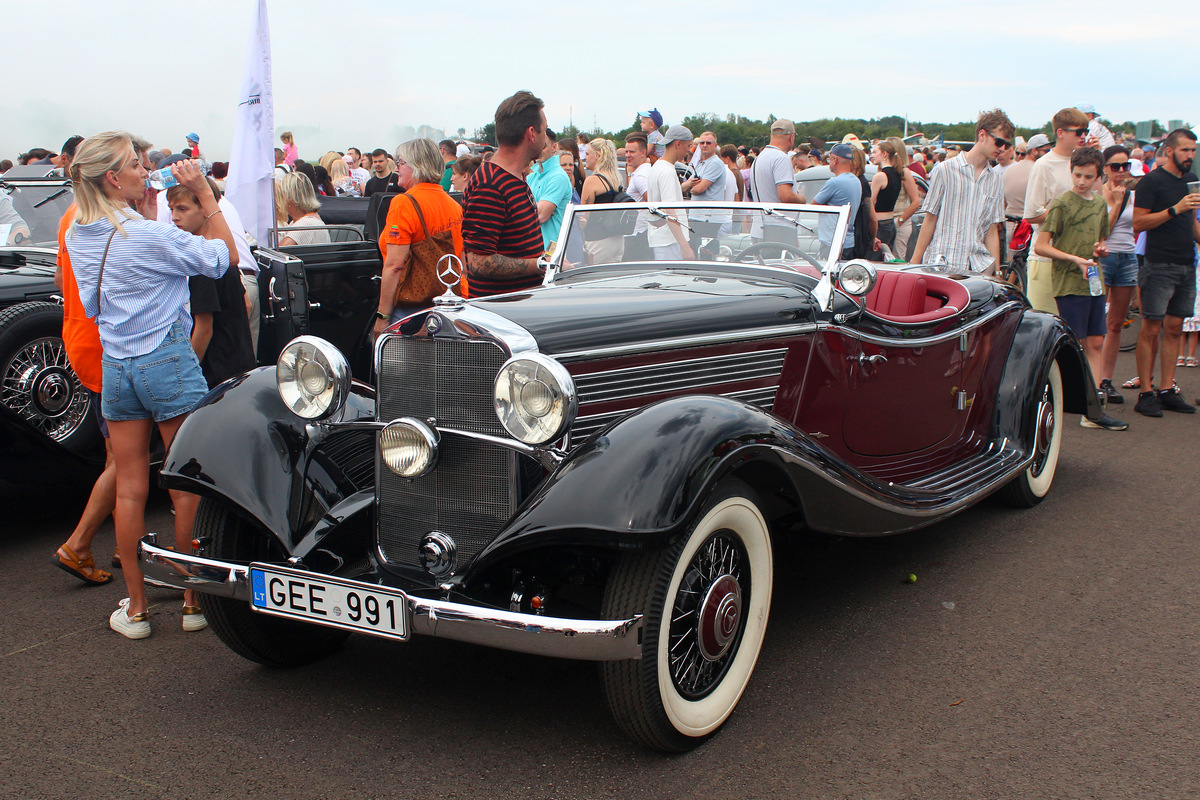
(996,460)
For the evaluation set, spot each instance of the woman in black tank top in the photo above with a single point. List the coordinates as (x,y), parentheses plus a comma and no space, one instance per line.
(893,175)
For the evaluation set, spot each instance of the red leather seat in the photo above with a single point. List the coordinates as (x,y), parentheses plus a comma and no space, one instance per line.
(915,297)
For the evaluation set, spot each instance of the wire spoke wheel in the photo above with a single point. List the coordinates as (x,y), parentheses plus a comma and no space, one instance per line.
(705,602)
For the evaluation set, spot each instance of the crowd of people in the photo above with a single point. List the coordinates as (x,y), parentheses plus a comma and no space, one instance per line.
(153,278)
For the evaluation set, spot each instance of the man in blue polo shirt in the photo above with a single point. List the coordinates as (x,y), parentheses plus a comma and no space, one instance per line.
(843,189)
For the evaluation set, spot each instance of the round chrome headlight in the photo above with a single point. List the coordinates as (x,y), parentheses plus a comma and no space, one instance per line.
(408,447)
(535,398)
(857,277)
(313,377)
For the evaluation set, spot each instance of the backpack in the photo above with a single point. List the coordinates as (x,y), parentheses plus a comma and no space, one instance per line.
(863,240)
(620,223)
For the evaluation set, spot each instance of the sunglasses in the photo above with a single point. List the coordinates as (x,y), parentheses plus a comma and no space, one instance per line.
(1001,143)
(1122,166)
(1076,131)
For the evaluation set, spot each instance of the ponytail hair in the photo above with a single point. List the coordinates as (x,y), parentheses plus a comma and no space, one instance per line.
(95,157)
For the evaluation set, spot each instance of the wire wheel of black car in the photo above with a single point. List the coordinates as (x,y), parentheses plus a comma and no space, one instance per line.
(266,640)
(705,602)
(36,379)
(1028,488)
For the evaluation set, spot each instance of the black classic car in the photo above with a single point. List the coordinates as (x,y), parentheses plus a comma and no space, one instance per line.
(598,469)
(45,425)
(47,431)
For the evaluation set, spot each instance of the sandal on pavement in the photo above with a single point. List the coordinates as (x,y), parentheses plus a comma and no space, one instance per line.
(83,568)
(193,619)
(1191,361)
(1179,362)
(116,559)
(1133,383)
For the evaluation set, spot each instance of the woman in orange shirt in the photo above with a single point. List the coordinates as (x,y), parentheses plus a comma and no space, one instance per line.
(424,211)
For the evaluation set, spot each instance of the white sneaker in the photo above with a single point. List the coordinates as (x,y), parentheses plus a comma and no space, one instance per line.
(132,627)
(193,619)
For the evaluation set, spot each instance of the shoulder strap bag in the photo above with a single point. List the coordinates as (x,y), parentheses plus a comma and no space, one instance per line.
(420,283)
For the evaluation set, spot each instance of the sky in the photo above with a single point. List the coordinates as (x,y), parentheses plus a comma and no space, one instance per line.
(355,73)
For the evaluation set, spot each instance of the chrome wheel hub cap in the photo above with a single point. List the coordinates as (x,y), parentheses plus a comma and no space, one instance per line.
(38,385)
(1045,431)
(720,614)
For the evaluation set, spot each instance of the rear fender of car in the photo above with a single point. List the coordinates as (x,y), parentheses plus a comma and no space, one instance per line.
(242,446)
(1039,340)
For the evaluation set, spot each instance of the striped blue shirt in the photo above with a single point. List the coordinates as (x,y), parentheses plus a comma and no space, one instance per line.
(145,279)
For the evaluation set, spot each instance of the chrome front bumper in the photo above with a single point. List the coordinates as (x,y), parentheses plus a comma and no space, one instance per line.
(582,639)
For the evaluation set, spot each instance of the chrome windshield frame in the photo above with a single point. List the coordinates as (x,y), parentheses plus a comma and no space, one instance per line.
(554,267)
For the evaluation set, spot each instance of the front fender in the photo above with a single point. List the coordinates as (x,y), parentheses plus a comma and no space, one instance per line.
(635,482)
(243,446)
(1040,339)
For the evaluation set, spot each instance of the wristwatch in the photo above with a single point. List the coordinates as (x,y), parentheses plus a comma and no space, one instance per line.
(381,315)
(1172,212)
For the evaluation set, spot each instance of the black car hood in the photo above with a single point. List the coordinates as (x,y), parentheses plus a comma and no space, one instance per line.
(652,306)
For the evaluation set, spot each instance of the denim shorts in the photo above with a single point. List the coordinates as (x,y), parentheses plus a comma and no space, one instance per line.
(1120,269)
(1167,290)
(161,385)
(1083,313)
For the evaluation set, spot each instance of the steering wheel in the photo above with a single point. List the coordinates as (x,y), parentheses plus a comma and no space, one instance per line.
(758,247)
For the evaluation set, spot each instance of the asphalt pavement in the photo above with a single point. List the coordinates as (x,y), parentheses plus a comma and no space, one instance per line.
(1048,653)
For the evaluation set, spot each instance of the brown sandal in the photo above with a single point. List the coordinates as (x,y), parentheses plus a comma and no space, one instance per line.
(85,569)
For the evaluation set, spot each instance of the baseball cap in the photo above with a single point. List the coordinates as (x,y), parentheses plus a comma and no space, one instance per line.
(783,126)
(171,159)
(349,159)
(852,140)
(677,133)
(842,150)
(1038,140)
(194,137)
(654,116)
(1087,108)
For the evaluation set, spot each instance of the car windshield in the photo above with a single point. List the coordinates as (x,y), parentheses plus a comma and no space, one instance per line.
(30,212)
(806,238)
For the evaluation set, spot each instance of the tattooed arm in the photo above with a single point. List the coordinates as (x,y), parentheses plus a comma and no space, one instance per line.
(498,267)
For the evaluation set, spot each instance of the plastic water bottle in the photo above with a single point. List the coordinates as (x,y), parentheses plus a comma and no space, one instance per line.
(161,179)
(1095,286)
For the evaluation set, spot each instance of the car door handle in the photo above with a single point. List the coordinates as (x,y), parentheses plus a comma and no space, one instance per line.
(272,300)
(863,358)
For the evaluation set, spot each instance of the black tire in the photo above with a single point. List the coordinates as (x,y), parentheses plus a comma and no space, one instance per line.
(722,564)
(1031,486)
(257,637)
(37,381)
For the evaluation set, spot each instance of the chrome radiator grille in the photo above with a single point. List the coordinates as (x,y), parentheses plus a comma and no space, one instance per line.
(695,374)
(470,493)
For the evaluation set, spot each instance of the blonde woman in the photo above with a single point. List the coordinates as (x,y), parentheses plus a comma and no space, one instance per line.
(343,184)
(132,277)
(893,177)
(299,200)
(290,154)
(601,187)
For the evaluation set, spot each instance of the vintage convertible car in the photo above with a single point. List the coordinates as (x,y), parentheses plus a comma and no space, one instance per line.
(45,425)
(598,469)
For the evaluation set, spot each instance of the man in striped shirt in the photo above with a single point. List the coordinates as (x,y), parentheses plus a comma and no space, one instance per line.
(966,203)
(501,235)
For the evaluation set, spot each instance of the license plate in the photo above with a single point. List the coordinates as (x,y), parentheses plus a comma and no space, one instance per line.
(326,600)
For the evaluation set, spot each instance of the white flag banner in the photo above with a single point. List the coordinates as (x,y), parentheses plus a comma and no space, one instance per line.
(250,185)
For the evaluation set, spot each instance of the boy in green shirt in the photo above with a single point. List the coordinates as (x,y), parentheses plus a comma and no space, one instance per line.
(1073,237)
